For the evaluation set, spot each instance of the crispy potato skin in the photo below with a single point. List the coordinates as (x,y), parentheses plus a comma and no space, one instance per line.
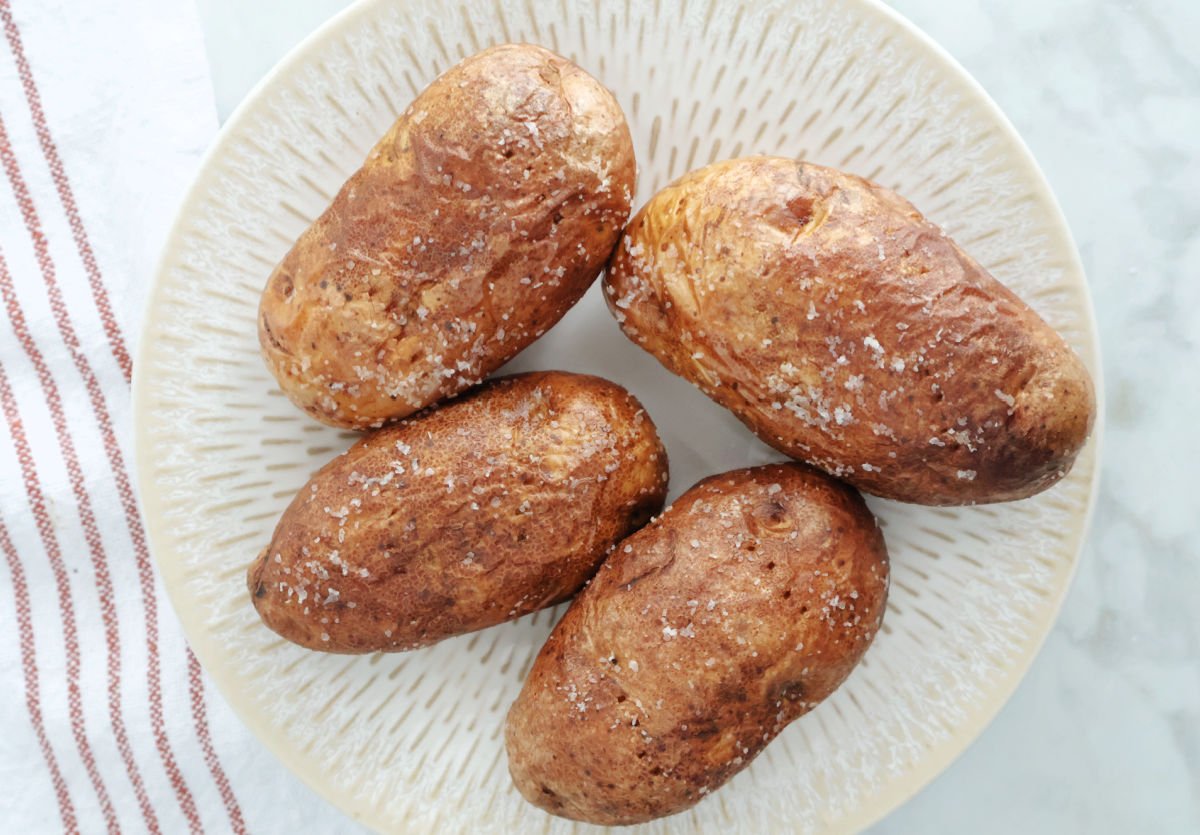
(479,219)
(704,634)
(485,509)
(846,330)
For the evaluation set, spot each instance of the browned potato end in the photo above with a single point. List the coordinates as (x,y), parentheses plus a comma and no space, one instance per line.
(704,634)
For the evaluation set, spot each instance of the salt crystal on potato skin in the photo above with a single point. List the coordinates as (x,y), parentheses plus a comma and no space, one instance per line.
(842,327)
(475,223)
(494,505)
(678,664)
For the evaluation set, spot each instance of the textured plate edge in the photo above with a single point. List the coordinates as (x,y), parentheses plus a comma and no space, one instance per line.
(153,514)
(943,756)
(901,789)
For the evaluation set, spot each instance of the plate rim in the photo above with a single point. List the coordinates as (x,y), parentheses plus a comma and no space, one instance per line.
(898,791)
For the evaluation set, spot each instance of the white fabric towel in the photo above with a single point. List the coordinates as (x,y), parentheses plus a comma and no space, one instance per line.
(106,721)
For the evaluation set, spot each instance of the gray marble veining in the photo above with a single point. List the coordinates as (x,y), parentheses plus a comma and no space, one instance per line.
(1104,734)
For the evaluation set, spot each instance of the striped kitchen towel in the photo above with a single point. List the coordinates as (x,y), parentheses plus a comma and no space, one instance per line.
(106,721)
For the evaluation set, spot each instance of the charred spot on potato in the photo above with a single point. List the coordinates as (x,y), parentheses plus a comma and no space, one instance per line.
(792,691)
(270,333)
(801,209)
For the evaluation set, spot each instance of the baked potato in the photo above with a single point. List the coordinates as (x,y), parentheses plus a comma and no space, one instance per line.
(846,330)
(479,219)
(494,505)
(704,634)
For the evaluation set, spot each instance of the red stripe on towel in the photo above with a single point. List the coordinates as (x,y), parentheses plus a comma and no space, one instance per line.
(37,503)
(87,517)
(120,352)
(65,193)
(33,698)
(210,754)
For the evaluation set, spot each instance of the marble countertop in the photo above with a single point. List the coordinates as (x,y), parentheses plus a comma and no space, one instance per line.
(1104,733)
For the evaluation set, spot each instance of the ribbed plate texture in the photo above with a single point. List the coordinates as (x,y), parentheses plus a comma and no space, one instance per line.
(412,742)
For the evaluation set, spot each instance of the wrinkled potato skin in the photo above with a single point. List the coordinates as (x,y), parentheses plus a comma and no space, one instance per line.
(846,330)
(704,634)
(479,219)
(492,506)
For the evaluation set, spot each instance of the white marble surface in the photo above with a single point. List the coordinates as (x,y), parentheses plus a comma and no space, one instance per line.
(1103,736)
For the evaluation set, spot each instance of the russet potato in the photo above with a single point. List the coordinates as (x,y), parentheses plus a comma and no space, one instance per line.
(479,219)
(847,331)
(705,633)
(489,507)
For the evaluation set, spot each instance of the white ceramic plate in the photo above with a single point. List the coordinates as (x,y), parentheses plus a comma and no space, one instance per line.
(412,742)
